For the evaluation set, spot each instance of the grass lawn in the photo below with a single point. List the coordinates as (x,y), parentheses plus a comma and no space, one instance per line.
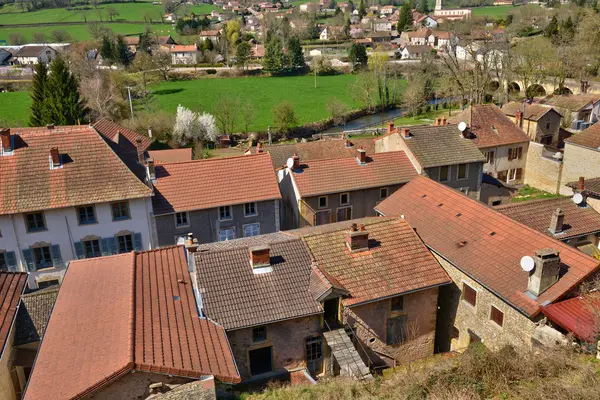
(426,118)
(527,193)
(264,92)
(492,11)
(15,108)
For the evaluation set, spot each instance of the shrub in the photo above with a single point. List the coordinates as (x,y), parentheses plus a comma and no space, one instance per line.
(211,71)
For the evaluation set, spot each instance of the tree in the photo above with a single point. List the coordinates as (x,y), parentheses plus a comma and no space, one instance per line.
(170,6)
(102,96)
(143,64)
(532,59)
(248,111)
(162,62)
(107,50)
(225,111)
(551,30)
(191,126)
(122,53)
(347,27)
(61,36)
(362,10)
(111,12)
(16,39)
(147,41)
(357,55)
(274,60)
(423,7)
(295,53)
(39,37)
(63,104)
(405,20)
(38,95)
(414,96)
(284,117)
(243,53)
(337,109)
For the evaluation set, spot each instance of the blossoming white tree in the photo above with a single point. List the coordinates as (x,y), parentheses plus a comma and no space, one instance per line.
(191,126)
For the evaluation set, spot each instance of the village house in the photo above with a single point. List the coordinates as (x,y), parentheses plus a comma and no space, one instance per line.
(192,197)
(165,42)
(581,157)
(171,155)
(580,111)
(382,25)
(425,21)
(388,10)
(441,40)
(503,272)
(212,35)
(440,152)
(132,42)
(65,195)
(316,193)
(31,55)
(332,286)
(123,351)
(310,7)
(413,52)
(184,54)
(541,124)
(379,37)
(12,285)
(420,37)
(502,142)
(589,189)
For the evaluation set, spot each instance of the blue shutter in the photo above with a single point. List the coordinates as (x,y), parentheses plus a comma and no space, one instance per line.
(112,242)
(105,246)
(79,250)
(56,257)
(28,256)
(11,261)
(137,242)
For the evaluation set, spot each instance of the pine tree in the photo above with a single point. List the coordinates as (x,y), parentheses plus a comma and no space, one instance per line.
(295,52)
(38,95)
(63,104)
(405,20)
(107,50)
(423,7)
(274,61)
(551,29)
(122,53)
(362,11)
(567,29)
(357,54)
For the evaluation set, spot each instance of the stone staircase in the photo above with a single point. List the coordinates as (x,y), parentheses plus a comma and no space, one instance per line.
(345,354)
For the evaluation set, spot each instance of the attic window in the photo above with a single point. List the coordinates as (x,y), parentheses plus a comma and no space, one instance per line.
(492,233)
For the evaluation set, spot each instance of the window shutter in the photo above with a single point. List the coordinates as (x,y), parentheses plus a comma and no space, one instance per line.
(28,256)
(79,250)
(11,261)
(137,242)
(56,257)
(112,242)
(105,246)
(519,153)
(519,173)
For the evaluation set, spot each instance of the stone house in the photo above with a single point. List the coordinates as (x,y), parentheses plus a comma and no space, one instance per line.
(216,199)
(497,295)
(419,37)
(382,25)
(441,40)
(413,52)
(440,152)
(581,157)
(322,191)
(503,143)
(123,351)
(212,35)
(184,54)
(30,55)
(65,194)
(580,110)
(541,124)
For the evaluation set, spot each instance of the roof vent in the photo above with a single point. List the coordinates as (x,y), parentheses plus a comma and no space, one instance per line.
(492,233)
(259,148)
(260,259)
(357,239)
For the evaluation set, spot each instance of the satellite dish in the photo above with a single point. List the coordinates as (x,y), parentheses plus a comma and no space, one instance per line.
(462,126)
(527,263)
(290,163)
(577,198)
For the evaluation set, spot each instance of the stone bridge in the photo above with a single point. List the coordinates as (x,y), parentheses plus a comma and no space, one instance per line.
(547,87)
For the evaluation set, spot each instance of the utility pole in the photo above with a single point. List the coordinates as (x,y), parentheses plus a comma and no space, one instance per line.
(130,102)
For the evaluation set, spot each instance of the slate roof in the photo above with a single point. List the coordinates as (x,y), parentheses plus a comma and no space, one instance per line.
(133,311)
(33,315)
(91,172)
(536,214)
(202,184)
(484,243)
(30,51)
(589,137)
(171,155)
(533,112)
(490,126)
(12,285)
(575,315)
(346,174)
(591,186)
(434,146)
(397,261)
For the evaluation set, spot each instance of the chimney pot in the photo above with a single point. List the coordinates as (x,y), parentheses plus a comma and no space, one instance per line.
(348,143)
(191,244)
(5,139)
(260,256)
(546,271)
(361,154)
(357,239)
(557,221)
(390,127)
(405,133)
(581,183)
(55,157)
(259,148)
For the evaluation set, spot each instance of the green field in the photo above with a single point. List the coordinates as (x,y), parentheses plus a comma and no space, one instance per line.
(264,92)
(15,109)
(492,11)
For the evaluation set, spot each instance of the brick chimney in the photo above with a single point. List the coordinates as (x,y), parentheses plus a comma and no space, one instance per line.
(260,259)
(581,184)
(5,139)
(348,144)
(361,155)
(55,156)
(357,239)
(545,272)
(437,122)
(296,159)
(191,244)
(557,221)
(519,118)
(443,121)
(140,151)
(259,148)
(390,127)
(405,132)
(151,169)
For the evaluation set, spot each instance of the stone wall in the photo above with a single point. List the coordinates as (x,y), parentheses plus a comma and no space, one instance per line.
(579,161)
(134,385)
(542,172)
(7,386)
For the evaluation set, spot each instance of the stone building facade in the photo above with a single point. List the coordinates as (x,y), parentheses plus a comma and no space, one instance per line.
(578,161)
(542,170)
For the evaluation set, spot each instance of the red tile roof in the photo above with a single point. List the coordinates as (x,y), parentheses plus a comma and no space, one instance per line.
(12,285)
(533,112)
(109,130)
(90,173)
(202,184)
(575,315)
(396,262)
(133,311)
(591,187)
(171,155)
(490,126)
(482,242)
(587,138)
(183,48)
(343,174)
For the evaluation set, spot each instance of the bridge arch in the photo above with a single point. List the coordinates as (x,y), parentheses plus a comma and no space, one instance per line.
(514,87)
(493,86)
(535,90)
(563,90)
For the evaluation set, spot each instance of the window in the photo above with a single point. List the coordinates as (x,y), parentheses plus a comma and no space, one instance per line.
(226,234)
(515,174)
(322,217)
(120,210)
(314,355)
(489,157)
(181,219)
(322,201)
(42,257)
(259,334)
(515,153)
(547,125)
(125,243)
(86,215)
(251,230)
(344,199)
(344,214)
(496,202)
(225,213)
(395,330)
(91,248)
(497,316)
(462,171)
(45,284)
(383,193)
(250,209)
(398,303)
(444,173)
(3,264)
(35,222)
(469,295)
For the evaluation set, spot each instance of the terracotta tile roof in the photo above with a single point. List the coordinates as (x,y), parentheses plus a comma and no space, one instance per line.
(126,312)
(420,33)
(591,186)
(120,135)
(345,174)
(439,145)
(490,126)
(575,315)
(209,33)
(132,40)
(587,138)
(442,34)
(573,102)
(482,242)
(12,285)
(536,214)
(202,184)
(397,261)
(533,112)
(419,49)
(90,172)
(183,48)
(33,315)
(171,155)
(235,297)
